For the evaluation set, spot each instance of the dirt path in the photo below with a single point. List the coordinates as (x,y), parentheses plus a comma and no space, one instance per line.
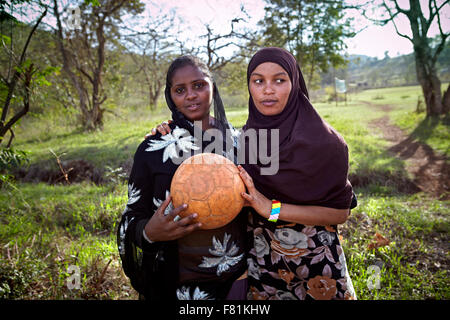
(430,170)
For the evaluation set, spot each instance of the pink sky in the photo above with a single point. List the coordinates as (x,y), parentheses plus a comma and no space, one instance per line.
(373,41)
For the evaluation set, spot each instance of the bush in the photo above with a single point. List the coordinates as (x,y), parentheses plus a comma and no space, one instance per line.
(9,160)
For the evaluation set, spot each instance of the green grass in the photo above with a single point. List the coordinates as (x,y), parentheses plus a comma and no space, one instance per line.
(434,131)
(44,229)
(412,267)
(370,164)
(113,145)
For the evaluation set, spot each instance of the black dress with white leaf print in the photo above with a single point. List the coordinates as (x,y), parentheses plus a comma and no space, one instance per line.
(202,265)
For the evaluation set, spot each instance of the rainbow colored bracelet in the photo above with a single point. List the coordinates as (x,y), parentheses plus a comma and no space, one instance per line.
(275,212)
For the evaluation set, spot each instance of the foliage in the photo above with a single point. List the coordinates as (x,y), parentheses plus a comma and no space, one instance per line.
(84,52)
(10,158)
(42,233)
(232,83)
(314,31)
(411,265)
(18,81)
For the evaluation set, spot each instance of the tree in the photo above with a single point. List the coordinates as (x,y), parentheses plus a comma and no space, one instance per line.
(19,77)
(216,42)
(240,37)
(312,30)
(425,53)
(155,50)
(84,51)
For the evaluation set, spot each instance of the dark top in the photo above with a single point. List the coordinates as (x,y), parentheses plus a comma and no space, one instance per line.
(201,265)
(312,155)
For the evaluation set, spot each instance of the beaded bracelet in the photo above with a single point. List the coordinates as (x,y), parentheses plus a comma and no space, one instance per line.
(276,207)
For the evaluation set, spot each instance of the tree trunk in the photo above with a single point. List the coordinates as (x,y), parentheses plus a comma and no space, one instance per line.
(153,102)
(425,62)
(431,85)
(89,104)
(427,77)
(97,111)
(93,119)
(446,101)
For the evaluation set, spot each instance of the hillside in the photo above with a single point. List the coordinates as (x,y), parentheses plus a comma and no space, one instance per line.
(370,72)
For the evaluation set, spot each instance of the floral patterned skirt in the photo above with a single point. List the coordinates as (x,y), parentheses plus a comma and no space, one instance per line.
(297,262)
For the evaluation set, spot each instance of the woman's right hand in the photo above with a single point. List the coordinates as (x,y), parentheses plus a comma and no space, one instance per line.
(162,227)
(162,128)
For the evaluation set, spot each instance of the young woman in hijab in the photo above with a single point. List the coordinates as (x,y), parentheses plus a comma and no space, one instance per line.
(164,256)
(296,252)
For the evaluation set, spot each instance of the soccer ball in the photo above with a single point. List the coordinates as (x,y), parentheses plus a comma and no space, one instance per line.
(211,186)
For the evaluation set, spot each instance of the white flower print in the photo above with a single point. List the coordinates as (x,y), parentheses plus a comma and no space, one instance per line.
(326,237)
(223,259)
(158,203)
(342,265)
(261,246)
(290,238)
(134,195)
(184,294)
(283,295)
(122,232)
(253,269)
(178,137)
(236,135)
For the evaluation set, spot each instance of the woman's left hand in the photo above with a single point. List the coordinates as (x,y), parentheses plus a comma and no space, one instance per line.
(162,128)
(254,198)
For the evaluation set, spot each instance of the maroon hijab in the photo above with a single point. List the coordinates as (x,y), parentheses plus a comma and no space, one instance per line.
(313,157)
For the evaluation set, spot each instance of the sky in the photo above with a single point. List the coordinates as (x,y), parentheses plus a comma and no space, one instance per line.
(373,41)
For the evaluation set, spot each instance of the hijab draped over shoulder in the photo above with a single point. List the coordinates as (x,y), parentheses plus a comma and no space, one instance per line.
(313,156)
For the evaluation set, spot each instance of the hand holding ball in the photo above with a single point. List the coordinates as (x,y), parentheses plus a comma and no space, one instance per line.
(211,186)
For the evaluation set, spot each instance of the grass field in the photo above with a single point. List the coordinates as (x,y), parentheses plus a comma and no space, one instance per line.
(44,229)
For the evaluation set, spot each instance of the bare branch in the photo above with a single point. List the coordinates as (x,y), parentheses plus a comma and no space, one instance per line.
(28,75)
(405,12)
(436,13)
(10,138)
(392,18)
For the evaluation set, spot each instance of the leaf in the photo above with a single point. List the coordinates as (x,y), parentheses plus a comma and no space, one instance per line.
(95,3)
(300,292)
(309,231)
(295,260)
(329,255)
(270,233)
(378,241)
(223,259)
(275,257)
(327,271)
(311,243)
(5,39)
(318,249)
(274,275)
(317,258)
(134,194)
(302,272)
(170,141)
(270,290)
